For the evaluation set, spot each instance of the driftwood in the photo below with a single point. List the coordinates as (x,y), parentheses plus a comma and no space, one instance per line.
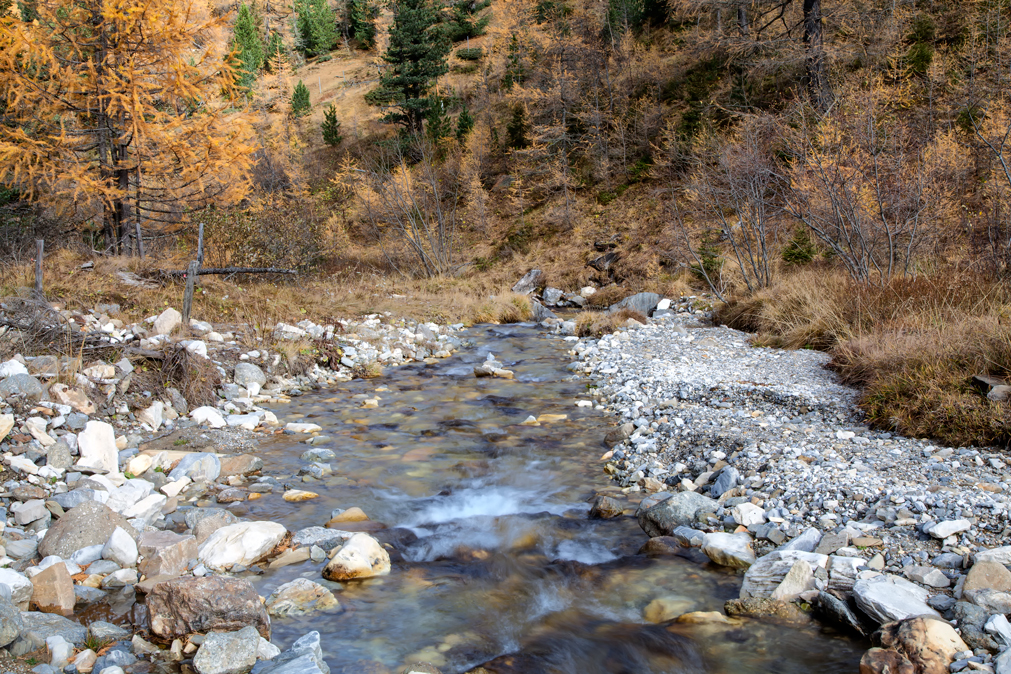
(233,270)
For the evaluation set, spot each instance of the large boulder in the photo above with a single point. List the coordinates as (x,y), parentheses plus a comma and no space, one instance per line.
(243,543)
(764,576)
(248,373)
(679,510)
(299,597)
(922,645)
(21,384)
(90,523)
(167,321)
(304,657)
(530,282)
(53,591)
(197,466)
(227,652)
(166,553)
(733,550)
(11,623)
(887,598)
(360,557)
(644,303)
(186,605)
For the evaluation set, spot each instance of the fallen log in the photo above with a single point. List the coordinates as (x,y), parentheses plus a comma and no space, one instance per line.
(233,270)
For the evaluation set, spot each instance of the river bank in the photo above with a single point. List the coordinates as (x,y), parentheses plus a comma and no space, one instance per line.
(760,451)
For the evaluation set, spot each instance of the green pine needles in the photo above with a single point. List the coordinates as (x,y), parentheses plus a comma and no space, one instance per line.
(331,127)
(316,27)
(300,104)
(361,22)
(246,40)
(464,124)
(464,21)
(514,67)
(418,50)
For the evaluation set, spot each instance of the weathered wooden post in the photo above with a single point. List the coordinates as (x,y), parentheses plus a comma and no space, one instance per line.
(191,277)
(200,245)
(40,246)
(140,240)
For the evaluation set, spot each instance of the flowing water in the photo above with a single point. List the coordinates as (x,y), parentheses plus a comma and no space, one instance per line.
(495,562)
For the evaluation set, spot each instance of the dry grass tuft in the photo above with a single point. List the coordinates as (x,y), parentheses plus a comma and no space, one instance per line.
(196,377)
(599,323)
(912,345)
(367,370)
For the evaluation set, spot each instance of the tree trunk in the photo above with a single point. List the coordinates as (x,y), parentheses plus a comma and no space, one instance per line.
(817,69)
(742,20)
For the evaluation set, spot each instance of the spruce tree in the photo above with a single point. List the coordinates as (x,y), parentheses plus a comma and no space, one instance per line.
(514,68)
(361,22)
(331,127)
(300,100)
(464,124)
(437,121)
(517,128)
(463,21)
(316,25)
(418,50)
(246,40)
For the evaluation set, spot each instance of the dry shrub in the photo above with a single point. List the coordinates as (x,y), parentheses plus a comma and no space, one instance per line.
(367,370)
(912,345)
(606,296)
(196,377)
(503,308)
(599,323)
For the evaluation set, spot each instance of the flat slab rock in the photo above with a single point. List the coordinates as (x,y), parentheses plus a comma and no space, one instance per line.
(888,598)
(195,605)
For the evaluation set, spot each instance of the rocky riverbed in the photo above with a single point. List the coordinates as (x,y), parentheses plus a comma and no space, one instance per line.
(759,458)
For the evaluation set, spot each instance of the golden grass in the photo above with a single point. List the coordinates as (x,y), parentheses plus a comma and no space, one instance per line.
(912,345)
(599,323)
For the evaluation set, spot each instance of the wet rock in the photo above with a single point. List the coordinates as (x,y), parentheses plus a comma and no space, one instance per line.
(662,609)
(619,434)
(766,608)
(835,611)
(644,303)
(888,598)
(299,495)
(354,514)
(53,591)
(732,550)
(241,464)
(929,645)
(661,545)
(90,523)
(799,579)
(227,652)
(299,597)
(885,661)
(243,543)
(205,521)
(166,553)
(421,668)
(530,282)
(97,444)
(327,539)
(360,557)
(304,657)
(24,385)
(766,574)
(321,454)
(186,605)
(605,508)
(11,623)
(678,510)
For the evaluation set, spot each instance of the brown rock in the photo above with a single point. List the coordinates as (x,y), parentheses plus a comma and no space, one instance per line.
(240,464)
(661,545)
(231,495)
(766,608)
(208,525)
(27,492)
(368,527)
(885,661)
(605,508)
(354,514)
(166,553)
(992,575)
(619,434)
(90,523)
(53,591)
(928,644)
(186,605)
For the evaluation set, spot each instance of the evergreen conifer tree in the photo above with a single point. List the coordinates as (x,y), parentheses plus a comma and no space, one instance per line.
(463,21)
(331,127)
(246,40)
(300,100)
(517,128)
(514,68)
(437,121)
(361,22)
(418,50)
(464,124)
(316,25)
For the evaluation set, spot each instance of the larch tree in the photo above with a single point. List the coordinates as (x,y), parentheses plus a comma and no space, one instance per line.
(123,109)
(417,51)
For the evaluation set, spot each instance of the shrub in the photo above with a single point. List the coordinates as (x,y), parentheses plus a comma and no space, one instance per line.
(331,127)
(469,53)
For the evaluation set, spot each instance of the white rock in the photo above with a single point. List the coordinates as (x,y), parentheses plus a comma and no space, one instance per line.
(246,421)
(29,511)
(60,651)
(37,428)
(266,650)
(208,416)
(167,321)
(147,509)
(6,424)
(175,487)
(97,444)
(87,555)
(128,494)
(765,575)
(153,415)
(798,580)
(138,465)
(120,548)
(21,587)
(729,549)
(1001,555)
(886,598)
(948,528)
(999,626)
(302,428)
(22,464)
(361,556)
(244,543)
(663,305)
(12,367)
(747,514)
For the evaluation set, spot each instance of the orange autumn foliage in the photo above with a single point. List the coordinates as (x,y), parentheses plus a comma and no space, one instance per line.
(124,108)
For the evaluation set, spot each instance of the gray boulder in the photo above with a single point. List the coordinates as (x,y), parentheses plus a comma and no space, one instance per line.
(197,466)
(679,510)
(21,384)
(11,623)
(541,312)
(552,296)
(90,523)
(728,478)
(644,303)
(248,373)
(530,282)
(304,657)
(227,652)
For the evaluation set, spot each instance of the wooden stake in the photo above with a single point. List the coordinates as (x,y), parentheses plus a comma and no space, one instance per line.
(200,245)
(140,239)
(40,246)
(191,277)
(319,81)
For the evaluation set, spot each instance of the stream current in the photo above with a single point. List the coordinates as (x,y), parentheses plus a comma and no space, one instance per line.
(495,562)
